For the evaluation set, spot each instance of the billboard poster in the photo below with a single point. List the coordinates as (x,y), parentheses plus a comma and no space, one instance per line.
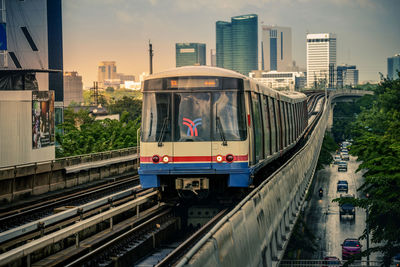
(42,119)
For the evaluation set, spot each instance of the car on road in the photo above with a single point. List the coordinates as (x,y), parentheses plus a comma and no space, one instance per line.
(337,159)
(396,260)
(347,208)
(342,185)
(350,247)
(345,156)
(331,261)
(342,166)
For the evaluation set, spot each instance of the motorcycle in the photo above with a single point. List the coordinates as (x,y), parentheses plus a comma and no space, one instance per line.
(320,193)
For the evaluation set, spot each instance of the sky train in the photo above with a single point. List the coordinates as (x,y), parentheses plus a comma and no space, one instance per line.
(206,129)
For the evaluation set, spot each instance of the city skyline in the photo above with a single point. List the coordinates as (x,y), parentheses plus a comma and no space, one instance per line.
(120,30)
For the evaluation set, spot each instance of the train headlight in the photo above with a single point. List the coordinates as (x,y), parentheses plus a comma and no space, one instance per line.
(219,158)
(229,158)
(165,159)
(156,159)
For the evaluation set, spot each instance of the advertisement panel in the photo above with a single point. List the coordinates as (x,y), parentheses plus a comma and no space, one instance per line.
(42,119)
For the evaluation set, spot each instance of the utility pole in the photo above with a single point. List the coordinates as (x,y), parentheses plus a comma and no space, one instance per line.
(151,57)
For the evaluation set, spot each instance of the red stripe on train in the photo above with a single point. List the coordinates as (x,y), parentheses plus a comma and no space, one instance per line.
(195,158)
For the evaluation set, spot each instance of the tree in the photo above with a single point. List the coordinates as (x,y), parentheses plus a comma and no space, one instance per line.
(82,134)
(377,144)
(131,105)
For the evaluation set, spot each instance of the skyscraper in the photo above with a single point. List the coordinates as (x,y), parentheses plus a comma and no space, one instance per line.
(107,71)
(393,66)
(188,54)
(237,43)
(276,48)
(321,59)
(213,57)
(347,75)
(73,88)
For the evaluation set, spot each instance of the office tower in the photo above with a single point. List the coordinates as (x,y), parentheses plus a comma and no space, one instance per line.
(393,66)
(188,54)
(107,71)
(276,48)
(237,43)
(73,88)
(347,75)
(213,57)
(321,59)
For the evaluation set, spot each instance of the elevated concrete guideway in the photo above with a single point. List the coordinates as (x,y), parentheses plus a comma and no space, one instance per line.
(254,233)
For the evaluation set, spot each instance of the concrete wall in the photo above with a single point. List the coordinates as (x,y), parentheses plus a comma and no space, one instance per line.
(16,130)
(257,231)
(41,177)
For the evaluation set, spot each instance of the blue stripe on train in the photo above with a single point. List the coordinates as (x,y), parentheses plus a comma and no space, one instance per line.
(239,173)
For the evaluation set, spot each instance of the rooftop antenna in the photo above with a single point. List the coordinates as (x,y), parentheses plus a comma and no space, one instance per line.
(151,57)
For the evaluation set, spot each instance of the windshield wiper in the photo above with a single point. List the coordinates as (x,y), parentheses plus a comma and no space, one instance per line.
(164,126)
(219,127)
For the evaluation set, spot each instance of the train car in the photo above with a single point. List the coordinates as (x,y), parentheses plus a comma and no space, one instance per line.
(206,129)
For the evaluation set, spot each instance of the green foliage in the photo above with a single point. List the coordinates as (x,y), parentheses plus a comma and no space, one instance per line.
(82,134)
(129,104)
(325,156)
(345,113)
(110,89)
(377,144)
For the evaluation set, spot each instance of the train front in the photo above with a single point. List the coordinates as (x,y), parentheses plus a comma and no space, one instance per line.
(194,133)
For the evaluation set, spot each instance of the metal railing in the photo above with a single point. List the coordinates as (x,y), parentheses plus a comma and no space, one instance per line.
(78,159)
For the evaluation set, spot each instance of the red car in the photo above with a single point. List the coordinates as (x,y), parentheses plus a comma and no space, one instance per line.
(350,247)
(331,261)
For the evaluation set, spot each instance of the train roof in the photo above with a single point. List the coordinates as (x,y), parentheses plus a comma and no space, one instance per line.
(196,71)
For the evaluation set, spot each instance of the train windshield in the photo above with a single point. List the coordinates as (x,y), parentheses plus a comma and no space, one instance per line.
(193,116)
(156,117)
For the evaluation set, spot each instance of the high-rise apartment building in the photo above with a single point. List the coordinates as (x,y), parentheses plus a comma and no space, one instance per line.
(393,67)
(188,54)
(107,71)
(347,75)
(321,59)
(237,43)
(276,48)
(73,88)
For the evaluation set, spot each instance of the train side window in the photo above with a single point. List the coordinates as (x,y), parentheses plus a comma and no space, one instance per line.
(290,105)
(292,110)
(267,126)
(257,128)
(278,113)
(296,119)
(274,129)
(284,121)
(288,119)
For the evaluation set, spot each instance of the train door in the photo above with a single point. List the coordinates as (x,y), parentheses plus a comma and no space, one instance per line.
(258,140)
(267,126)
(192,130)
(274,127)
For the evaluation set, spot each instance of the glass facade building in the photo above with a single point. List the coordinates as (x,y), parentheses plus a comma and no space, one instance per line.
(237,43)
(188,54)
(393,67)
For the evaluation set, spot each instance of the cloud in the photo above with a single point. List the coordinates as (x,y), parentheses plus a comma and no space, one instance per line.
(124,16)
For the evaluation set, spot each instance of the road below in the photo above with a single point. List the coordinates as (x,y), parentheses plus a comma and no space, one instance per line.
(322,215)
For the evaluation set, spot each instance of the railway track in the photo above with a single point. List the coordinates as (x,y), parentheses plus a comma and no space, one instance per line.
(20,216)
(83,233)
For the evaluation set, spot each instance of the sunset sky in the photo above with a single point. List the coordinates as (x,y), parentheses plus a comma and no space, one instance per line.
(368,31)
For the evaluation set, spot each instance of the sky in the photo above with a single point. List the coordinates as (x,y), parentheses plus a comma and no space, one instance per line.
(368,31)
